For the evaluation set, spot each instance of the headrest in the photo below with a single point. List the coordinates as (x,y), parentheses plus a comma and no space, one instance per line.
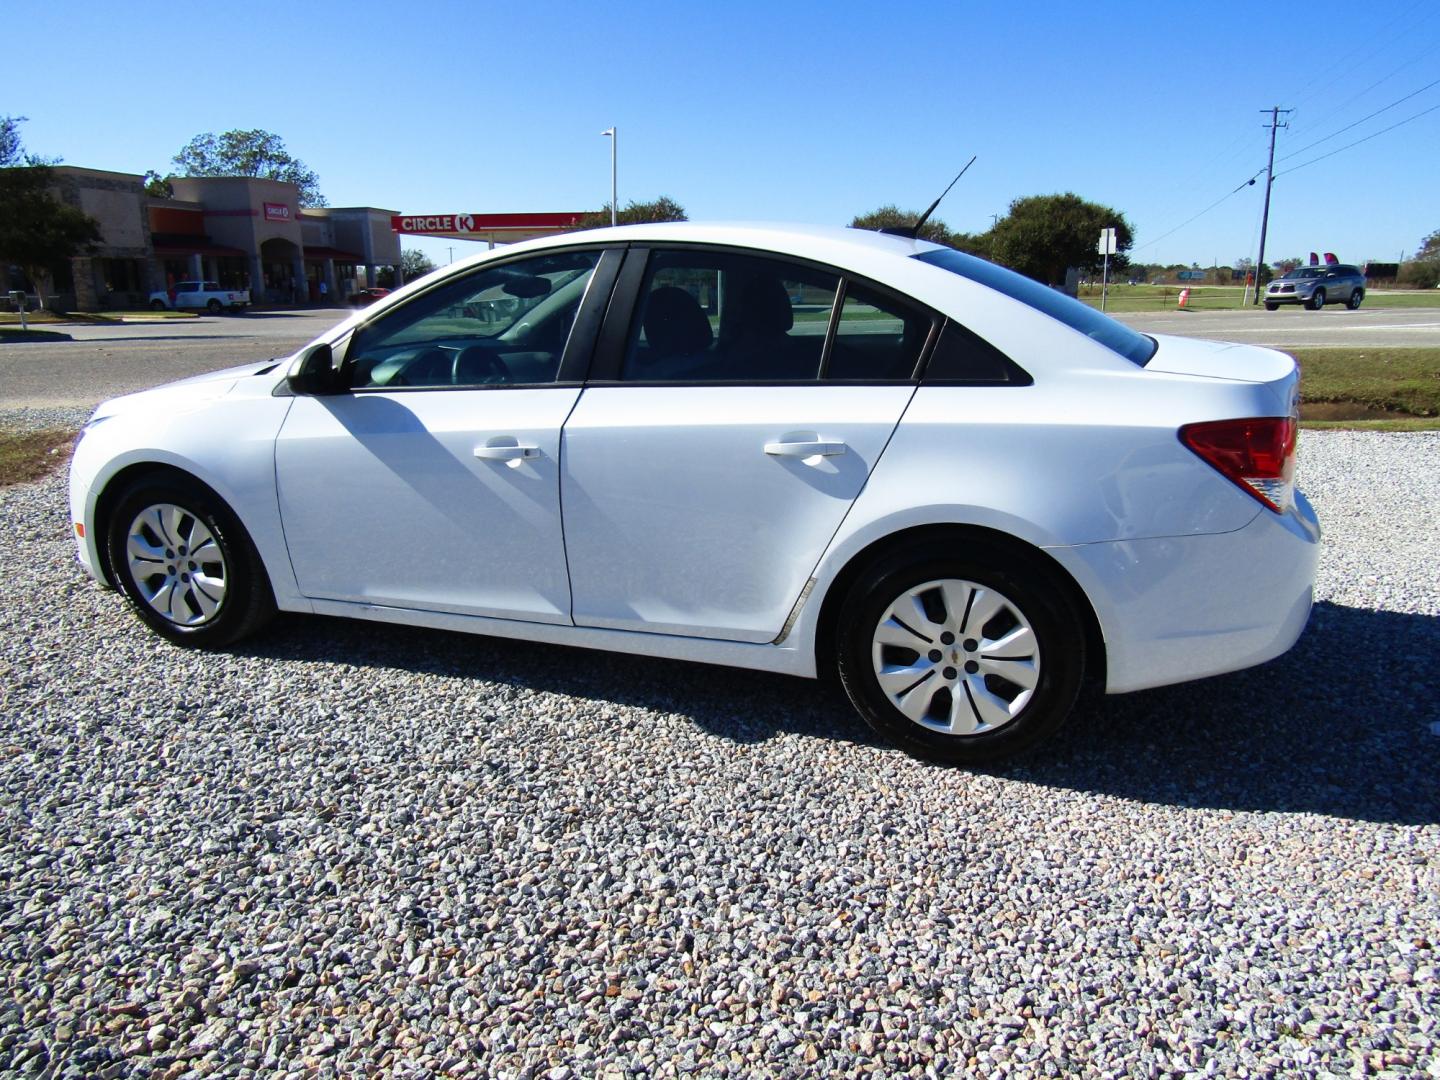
(675,324)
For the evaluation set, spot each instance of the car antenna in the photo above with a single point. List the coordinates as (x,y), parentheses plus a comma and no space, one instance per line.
(913,231)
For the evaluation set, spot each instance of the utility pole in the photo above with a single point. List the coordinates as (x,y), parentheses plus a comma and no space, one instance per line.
(1274,126)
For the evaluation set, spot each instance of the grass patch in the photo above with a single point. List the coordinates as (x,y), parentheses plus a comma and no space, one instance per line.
(1125,298)
(127,316)
(1396,384)
(12,318)
(1410,424)
(29,455)
(32,318)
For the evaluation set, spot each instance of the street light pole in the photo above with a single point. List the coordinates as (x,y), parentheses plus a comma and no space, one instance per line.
(614,150)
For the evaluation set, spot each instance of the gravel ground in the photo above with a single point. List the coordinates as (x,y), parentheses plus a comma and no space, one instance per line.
(348,849)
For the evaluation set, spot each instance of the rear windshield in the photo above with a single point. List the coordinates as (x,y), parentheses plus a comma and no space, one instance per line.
(1117,337)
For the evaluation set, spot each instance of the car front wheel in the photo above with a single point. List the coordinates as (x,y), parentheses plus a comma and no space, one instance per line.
(157,305)
(1270,305)
(960,659)
(1317,300)
(186,565)
(213,307)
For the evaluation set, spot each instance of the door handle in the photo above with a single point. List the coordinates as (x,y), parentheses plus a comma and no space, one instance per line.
(812,448)
(506,451)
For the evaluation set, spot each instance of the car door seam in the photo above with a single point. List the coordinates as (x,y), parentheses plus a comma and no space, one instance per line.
(809,586)
(560,452)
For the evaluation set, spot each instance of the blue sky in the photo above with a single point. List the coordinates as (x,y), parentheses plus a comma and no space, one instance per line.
(776,111)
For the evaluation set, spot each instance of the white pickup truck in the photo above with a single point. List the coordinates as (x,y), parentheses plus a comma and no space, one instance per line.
(199,294)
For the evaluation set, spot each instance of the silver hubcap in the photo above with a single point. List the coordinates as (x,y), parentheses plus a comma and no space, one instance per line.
(956,657)
(176,564)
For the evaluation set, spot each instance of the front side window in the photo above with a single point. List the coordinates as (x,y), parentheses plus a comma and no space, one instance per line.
(717,317)
(498,325)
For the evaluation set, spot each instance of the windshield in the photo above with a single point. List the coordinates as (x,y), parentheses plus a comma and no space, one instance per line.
(1303,273)
(1117,337)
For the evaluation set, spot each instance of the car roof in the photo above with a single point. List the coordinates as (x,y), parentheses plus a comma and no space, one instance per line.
(828,243)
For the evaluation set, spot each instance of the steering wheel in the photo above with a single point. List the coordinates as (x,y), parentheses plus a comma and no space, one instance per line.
(477,365)
(430,367)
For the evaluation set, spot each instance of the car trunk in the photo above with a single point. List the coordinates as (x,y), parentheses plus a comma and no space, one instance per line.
(1221,360)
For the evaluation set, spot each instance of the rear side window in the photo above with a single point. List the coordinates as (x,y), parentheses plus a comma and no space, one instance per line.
(877,337)
(716,317)
(962,356)
(1117,337)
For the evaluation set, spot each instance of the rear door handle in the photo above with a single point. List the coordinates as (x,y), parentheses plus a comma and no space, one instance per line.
(813,448)
(506,448)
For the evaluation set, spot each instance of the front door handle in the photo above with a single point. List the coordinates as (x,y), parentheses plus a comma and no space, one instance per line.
(809,448)
(506,448)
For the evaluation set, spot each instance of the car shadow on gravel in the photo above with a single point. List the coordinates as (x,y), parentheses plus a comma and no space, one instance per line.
(1340,725)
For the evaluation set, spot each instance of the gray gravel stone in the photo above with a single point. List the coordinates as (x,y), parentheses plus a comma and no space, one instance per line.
(345,849)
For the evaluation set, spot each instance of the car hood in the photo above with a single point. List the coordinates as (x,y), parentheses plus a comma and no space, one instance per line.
(196,389)
(1219,360)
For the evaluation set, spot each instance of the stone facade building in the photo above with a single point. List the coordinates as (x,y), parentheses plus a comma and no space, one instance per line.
(243,232)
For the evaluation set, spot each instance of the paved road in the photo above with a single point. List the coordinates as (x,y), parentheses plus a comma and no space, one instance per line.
(1296,328)
(103,361)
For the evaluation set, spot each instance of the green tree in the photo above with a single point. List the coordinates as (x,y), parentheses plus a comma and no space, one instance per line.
(891,216)
(1043,235)
(637,213)
(158,186)
(248,153)
(11,151)
(1423,271)
(935,230)
(415,263)
(37,230)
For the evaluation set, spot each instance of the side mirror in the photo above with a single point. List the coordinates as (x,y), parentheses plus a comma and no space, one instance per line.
(314,374)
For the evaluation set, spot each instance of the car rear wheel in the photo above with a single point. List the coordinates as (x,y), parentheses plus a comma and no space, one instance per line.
(157,305)
(1270,305)
(1355,299)
(213,307)
(186,565)
(1317,300)
(959,657)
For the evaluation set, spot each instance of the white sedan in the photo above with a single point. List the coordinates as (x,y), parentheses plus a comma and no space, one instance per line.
(784,448)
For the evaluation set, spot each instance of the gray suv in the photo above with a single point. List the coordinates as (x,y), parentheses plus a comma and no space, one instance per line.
(1316,286)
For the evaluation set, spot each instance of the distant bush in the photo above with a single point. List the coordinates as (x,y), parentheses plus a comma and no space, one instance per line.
(1420,273)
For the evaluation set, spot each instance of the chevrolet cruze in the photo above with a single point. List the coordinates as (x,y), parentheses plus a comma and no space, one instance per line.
(800,450)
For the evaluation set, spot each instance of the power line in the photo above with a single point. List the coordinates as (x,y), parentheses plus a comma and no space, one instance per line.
(1354,100)
(1201,214)
(1357,142)
(1357,123)
(1324,85)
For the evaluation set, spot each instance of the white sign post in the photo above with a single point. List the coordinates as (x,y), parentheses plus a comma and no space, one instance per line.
(1106,248)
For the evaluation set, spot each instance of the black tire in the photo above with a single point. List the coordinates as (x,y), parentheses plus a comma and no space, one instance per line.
(1356,298)
(214,307)
(245,601)
(157,305)
(1317,300)
(1270,305)
(1032,590)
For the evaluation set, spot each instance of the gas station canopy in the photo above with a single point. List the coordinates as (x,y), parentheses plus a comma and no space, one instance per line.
(494,228)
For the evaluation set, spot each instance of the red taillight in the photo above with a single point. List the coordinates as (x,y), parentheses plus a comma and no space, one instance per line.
(1258,454)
